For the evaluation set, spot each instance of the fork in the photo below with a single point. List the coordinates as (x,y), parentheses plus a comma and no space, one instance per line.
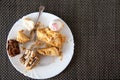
(41,9)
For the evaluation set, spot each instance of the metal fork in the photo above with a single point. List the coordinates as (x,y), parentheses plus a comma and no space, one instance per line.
(41,9)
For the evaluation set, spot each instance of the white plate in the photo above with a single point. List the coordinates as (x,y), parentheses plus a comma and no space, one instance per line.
(48,66)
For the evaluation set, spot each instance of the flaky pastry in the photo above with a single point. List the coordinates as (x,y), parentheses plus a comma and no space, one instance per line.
(53,38)
(21,37)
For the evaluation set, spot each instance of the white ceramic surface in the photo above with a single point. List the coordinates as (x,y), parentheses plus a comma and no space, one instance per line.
(48,66)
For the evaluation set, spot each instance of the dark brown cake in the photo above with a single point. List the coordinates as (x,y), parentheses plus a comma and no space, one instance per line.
(13,48)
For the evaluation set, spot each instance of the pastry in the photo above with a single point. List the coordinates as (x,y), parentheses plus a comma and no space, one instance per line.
(30,59)
(56,25)
(21,37)
(52,51)
(28,23)
(50,37)
(13,48)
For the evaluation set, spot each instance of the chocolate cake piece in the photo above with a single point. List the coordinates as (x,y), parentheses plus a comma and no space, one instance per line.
(13,48)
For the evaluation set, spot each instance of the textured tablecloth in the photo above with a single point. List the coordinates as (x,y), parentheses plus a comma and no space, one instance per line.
(95,25)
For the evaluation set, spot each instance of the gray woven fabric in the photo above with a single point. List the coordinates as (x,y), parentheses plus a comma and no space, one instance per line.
(95,25)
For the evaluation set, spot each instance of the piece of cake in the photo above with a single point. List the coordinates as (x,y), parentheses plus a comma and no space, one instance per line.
(30,59)
(13,48)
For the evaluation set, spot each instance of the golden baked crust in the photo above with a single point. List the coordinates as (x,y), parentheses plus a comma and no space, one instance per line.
(21,37)
(51,37)
(52,51)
